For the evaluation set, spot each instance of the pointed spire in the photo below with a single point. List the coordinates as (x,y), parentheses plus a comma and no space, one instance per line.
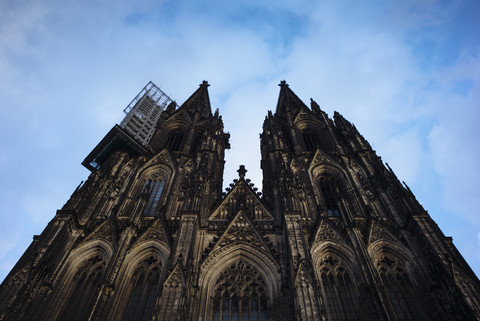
(315,107)
(288,101)
(199,101)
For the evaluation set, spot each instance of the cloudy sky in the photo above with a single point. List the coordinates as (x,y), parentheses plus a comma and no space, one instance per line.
(406,73)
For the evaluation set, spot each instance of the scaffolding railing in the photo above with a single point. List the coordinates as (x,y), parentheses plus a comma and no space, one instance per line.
(143,112)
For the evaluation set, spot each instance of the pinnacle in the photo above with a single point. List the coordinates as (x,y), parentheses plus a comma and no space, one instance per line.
(241,172)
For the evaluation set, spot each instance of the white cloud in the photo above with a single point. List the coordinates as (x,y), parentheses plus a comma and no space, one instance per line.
(69,68)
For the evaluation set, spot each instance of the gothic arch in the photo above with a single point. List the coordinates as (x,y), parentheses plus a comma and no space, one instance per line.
(323,249)
(155,179)
(394,265)
(336,273)
(210,274)
(94,255)
(330,167)
(150,258)
(162,162)
(329,185)
(382,247)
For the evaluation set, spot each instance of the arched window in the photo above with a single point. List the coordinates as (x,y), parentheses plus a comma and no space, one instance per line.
(399,288)
(145,284)
(86,283)
(337,290)
(310,140)
(175,139)
(153,187)
(240,294)
(330,190)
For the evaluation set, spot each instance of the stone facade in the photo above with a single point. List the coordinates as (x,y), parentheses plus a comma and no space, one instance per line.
(151,236)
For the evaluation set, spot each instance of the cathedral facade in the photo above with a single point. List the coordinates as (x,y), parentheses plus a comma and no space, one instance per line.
(151,235)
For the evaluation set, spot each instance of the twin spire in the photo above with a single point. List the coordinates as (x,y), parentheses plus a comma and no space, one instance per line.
(288,101)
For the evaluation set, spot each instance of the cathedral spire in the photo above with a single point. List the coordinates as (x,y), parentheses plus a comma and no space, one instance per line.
(288,101)
(199,101)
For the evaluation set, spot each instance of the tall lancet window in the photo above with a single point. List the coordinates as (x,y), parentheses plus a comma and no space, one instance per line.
(153,187)
(338,291)
(240,294)
(399,288)
(87,281)
(330,190)
(174,140)
(310,140)
(145,285)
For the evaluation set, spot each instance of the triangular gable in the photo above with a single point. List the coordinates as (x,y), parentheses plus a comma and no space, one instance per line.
(176,277)
(199,101)
(163,157)
(156,231)
(326,232)
(303,275)
(305,115)
(378,232)
(243,197)
(180,116)
(288,101)
(322,158)
(103,231)
(241,230)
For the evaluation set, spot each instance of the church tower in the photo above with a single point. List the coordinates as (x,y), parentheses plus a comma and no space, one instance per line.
(333,235)
(360,246)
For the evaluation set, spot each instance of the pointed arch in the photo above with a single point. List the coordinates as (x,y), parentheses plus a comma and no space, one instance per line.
(140,280)
(77,287)
(154,181)
(335,271)
(394,264)
(233,259)
(332,186)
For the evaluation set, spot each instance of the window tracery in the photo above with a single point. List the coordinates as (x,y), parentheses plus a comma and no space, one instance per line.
(145,284)
(330,190)
(87,280)
(240,294)
(337,287)
(310,140)
(154,188)
(398,287)
(175,139)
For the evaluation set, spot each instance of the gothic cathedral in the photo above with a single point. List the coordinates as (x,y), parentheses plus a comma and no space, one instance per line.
(150,235)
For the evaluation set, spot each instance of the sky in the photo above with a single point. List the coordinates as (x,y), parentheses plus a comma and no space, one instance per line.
(406,73)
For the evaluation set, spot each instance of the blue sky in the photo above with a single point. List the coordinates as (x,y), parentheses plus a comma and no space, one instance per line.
(407,73)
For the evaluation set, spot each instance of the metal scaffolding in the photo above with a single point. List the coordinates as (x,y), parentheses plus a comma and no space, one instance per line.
(144,111)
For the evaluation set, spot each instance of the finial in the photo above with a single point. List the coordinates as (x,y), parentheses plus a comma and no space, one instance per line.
(283,83)
(314,106)
(241,172)
(204,84)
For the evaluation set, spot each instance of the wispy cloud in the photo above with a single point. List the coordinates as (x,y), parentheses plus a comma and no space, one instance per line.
(406,73)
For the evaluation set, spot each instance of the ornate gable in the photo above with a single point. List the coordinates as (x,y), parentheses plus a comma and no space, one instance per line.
(305,116)
(181,116)
(104,231)
(326,232)
(242,197)
(156,231)
(176,278)
(163,157)
(303,275)
(378,232)
(241,230)
(322,158)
